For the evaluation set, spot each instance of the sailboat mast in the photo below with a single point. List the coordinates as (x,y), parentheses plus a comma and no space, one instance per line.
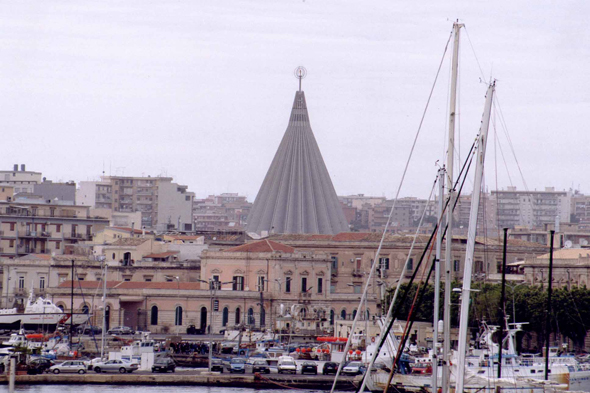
(473,215)
(441,194)
(104,309)
(451,194)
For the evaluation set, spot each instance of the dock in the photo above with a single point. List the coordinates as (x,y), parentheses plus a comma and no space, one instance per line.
(255,381)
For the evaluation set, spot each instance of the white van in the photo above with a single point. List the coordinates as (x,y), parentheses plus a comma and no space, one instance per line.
(287,364)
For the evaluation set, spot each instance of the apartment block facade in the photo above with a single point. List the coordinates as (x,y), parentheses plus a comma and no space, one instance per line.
(164,205)
(221,212)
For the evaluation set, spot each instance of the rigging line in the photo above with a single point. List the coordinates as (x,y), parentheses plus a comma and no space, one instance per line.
(373,268)
(496,172)
(505,127)
(393,299)
(417,299)
(483,76)
(391,315)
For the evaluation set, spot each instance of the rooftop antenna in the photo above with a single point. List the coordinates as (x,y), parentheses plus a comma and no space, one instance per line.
(300,73)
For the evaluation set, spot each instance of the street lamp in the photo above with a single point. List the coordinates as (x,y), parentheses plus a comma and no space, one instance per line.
(176,319)
(213,286)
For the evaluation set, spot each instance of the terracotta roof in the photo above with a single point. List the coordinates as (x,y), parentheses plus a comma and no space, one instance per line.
(184,237)
(568,253)
(130,241)
(45,257)
(87,284)
(127,229)
(161,254)
(262,246)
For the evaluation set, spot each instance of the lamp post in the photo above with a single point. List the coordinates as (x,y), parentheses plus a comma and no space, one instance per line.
(213,286)
(176,319)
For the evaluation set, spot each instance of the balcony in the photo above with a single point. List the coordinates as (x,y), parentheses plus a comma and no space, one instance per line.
(358,273)
(304,297)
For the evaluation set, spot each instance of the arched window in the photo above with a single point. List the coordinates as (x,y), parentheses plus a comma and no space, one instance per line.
(85,309)
(154,316)
(332,317)
(353,314)
(368,314)
(263,317)
(61,307)
(251,316)
(225,316)
(107,317)
(203,319)
(238,318)
(343,315)
(178,316)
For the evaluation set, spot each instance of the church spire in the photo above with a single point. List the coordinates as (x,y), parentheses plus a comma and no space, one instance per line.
(297,195)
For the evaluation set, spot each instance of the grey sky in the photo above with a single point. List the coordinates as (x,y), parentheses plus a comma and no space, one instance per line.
(202,90)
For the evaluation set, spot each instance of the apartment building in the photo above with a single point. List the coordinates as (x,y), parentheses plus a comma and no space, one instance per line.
(221,212)
(164,205)
(531,209)
(36,226)
(23,180)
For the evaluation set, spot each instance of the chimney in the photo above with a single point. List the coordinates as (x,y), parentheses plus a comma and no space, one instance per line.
(15,167)
(22,167)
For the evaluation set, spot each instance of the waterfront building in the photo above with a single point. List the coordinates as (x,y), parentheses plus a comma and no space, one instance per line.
(571,267)
(297,194)
(164,205)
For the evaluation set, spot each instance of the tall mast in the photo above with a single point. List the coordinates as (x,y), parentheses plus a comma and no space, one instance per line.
(468,268)
(441,194)
(451,197)
(104,309)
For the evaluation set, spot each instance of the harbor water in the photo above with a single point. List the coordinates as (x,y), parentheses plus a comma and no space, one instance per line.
(136,389)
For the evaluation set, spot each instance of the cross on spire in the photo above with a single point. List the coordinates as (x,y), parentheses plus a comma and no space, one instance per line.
(300,73)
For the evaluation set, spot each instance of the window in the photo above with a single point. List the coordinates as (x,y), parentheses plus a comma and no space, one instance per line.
(359,263)
(85,309)
(410,265)
(58,228)
(332,317)
(353,314)
(384,263)
(334,264)
(57,245)
(320,285)
(261,281)
(343,314)
(154,316)
(216,305)
(303,284)
(178,316)
(21,282)
(215,284)
(12,225)
(237,316)
(262,317)
(225,316)
(41,282)
(11,243)
(357,288)
(332,288)
(251,316)
(456,265)
(288,284)
(238,283)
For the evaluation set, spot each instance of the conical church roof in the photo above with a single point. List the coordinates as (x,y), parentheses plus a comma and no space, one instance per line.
(297,195)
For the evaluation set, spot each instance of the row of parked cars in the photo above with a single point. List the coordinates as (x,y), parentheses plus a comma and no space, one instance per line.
(42,365)
(285,365)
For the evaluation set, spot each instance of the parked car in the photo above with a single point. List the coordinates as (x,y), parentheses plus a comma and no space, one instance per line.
(39,366)
(192,329)
(309,368)
(287,364)
(90,330)
(257,365)
(217,365)
(120,330)
(90,363)
(163,365)
(352,368)
(71,366)
(330,368)
(116,365)
(237,365)
(422,368)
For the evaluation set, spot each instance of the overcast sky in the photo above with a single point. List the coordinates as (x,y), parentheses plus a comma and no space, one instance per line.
(202,90)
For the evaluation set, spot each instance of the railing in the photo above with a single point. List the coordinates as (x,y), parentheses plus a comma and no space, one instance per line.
(357,273)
